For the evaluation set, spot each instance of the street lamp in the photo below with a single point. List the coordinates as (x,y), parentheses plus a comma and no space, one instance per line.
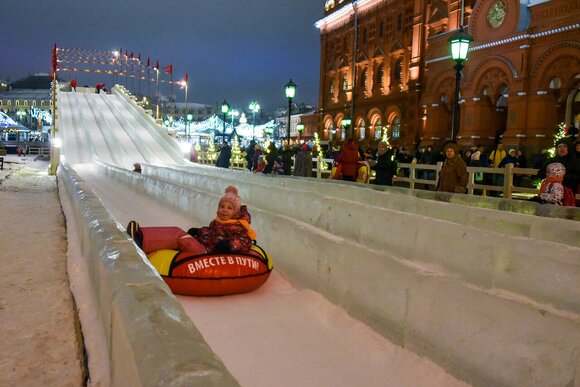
(459,46)
(345,123)
(254,108)
(225,109)
(189,119)
(290,93)
(300,128)
(233,113)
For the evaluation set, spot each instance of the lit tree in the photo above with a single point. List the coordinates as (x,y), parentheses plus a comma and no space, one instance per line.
(237,154)
(560,133)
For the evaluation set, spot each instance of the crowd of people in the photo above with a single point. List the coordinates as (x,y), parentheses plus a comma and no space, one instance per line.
(354,163)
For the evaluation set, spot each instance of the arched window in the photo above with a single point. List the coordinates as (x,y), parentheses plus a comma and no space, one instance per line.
(344,83)
(555,83)
(396,125)
(362,129)
(331,87)
(378,127)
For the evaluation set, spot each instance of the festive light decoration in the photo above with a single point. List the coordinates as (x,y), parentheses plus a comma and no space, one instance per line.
(238,157)
(560,134)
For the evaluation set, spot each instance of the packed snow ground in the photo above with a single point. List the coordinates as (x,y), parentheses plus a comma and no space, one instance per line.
(40,341)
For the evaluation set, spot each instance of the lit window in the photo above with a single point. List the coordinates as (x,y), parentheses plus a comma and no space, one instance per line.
(396,125)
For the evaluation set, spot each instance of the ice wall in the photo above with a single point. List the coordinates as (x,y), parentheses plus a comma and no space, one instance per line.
(489,306)
(149,339)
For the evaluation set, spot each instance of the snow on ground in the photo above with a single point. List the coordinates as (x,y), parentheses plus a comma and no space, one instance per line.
(39,335)
(280,335)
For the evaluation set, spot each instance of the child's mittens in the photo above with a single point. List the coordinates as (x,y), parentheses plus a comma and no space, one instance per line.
(193,231)
(223,247)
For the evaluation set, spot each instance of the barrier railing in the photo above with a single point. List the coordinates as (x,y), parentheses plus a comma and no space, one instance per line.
(476,179)
(39,150)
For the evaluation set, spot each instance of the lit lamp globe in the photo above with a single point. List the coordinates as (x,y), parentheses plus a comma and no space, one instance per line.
(290,89)
(459,45)
(300,128)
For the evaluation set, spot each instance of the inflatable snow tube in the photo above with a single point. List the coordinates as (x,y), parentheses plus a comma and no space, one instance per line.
(212,274)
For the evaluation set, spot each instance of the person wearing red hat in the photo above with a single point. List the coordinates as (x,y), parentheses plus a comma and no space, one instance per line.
(303,162)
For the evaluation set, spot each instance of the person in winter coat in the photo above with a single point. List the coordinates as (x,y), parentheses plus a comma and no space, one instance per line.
(453,174)
(287,154)
(230,230)
(257,154)
(349,158)
(270,158)
(384,166)
(566,157)
(303,162)
(250,154)
(552,190)
(223,160)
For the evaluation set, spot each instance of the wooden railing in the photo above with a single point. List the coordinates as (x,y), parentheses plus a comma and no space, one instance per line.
(507,188)
(39,150)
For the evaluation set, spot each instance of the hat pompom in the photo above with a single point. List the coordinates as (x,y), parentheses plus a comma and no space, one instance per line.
(232,189)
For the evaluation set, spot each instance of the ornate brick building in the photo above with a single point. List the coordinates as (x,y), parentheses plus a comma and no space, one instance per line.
(386,65)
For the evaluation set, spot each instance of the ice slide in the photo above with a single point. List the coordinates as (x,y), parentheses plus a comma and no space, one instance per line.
(107,128)
(278,335)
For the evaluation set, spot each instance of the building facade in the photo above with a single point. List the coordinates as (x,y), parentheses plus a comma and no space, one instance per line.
(386,65)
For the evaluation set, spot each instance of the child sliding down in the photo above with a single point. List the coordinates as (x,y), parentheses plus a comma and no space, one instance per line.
(230,231)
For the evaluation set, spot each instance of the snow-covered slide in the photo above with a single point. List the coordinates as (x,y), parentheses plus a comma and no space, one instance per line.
(112,129)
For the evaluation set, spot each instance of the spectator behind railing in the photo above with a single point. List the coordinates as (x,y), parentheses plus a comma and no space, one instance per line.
(565,157)
(384,166)
(453,174)
(303,162)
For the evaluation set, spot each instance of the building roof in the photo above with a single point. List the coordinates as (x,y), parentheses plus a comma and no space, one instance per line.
(26,94)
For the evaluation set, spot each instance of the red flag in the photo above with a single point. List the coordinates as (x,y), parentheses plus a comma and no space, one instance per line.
(148,64)
(139,57)
(186,78)
(131,56)
(157,65)
(54,61)
(168,69)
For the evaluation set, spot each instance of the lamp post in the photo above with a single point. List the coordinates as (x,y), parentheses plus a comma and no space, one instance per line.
(346,125)
(189,119)
(459,46)
(233,113)
(254,108)
(290,93)
(225,109)
(300,128)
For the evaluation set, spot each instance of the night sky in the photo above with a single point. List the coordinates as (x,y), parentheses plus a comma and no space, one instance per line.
(234,50)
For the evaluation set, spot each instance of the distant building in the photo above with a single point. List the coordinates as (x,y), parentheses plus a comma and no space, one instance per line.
(199,111)
(386,65)
(24,96)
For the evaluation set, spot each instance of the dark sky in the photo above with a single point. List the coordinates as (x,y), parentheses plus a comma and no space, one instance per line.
(237,50)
